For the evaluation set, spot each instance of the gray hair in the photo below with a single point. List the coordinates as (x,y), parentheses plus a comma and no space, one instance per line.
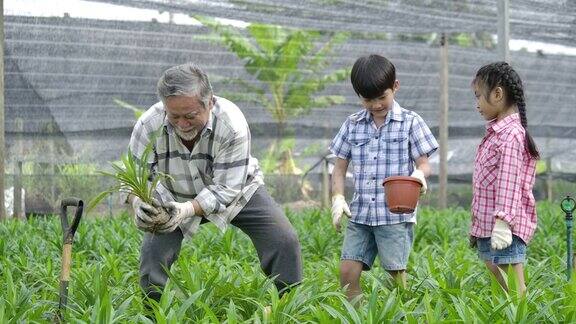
(185,80)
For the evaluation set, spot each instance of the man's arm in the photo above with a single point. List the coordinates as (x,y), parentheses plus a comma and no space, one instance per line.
(198,211)
(230,174)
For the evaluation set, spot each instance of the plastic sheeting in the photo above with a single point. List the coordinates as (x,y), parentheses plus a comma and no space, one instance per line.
(63,74)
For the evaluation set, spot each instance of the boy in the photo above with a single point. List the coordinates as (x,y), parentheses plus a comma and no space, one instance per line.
(382,140)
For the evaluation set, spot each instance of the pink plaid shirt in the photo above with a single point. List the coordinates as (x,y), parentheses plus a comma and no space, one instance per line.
(504,174)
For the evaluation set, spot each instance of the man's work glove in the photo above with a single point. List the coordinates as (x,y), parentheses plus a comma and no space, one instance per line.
(501,235)
(339,207)
(147,217)
(418,174)
(178,212)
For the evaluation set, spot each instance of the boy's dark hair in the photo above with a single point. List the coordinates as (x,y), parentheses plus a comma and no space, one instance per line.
(501,74)
(372,75)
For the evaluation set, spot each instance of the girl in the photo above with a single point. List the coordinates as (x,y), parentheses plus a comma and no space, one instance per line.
(503,207)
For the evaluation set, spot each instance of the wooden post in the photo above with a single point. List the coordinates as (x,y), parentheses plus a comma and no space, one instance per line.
(503,30)
(443,124)
(18,212)
(2,130)
(170,13)
(110,207)
(52,163)
(325,184)
(549,192)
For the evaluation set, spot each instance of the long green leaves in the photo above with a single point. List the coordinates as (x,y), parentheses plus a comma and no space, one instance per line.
(217,277)
(136,110)
(132,175)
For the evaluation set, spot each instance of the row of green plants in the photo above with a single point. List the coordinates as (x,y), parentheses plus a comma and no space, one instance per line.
(217,277)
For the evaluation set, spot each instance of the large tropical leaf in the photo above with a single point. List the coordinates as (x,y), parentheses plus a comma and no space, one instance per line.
(268,37)
(319,61)
(138,111)
(239,44)
(300,97)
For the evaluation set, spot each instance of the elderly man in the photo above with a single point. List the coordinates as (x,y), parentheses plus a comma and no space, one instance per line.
(203,143)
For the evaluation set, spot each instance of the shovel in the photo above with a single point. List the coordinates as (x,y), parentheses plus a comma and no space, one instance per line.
(68,233)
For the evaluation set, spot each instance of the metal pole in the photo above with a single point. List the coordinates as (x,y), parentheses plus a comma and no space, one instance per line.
(568,205)
(569,247)
(443,124)
(2,130)
(503,30)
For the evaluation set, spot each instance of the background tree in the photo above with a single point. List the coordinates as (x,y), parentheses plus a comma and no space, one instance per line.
(290,68)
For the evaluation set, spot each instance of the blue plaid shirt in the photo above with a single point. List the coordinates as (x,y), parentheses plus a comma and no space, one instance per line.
(376,154)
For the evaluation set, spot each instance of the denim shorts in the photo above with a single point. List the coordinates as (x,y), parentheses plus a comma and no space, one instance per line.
(392,244)
(515,253)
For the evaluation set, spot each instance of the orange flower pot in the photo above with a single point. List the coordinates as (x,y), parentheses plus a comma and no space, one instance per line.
(402,193)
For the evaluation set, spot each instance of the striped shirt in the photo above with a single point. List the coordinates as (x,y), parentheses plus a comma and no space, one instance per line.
(504,174)
(378,153)
(219,173)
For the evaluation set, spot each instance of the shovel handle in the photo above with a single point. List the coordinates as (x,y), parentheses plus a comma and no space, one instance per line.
(64,277)
(69,231)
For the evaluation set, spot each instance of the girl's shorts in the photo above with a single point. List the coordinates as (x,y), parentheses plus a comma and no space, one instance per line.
(515,253)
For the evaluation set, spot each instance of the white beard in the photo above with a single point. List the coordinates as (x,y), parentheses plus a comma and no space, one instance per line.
(187,136)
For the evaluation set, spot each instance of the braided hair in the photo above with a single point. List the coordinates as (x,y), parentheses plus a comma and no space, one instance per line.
(501,74)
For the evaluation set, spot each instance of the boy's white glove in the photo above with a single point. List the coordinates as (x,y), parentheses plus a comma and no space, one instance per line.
(418,174)
(339,207)
(501,235)
(178,212)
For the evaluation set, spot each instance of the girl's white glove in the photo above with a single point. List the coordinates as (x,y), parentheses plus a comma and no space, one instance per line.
(339,207)
(178,212)
(501,235)
(418,174)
